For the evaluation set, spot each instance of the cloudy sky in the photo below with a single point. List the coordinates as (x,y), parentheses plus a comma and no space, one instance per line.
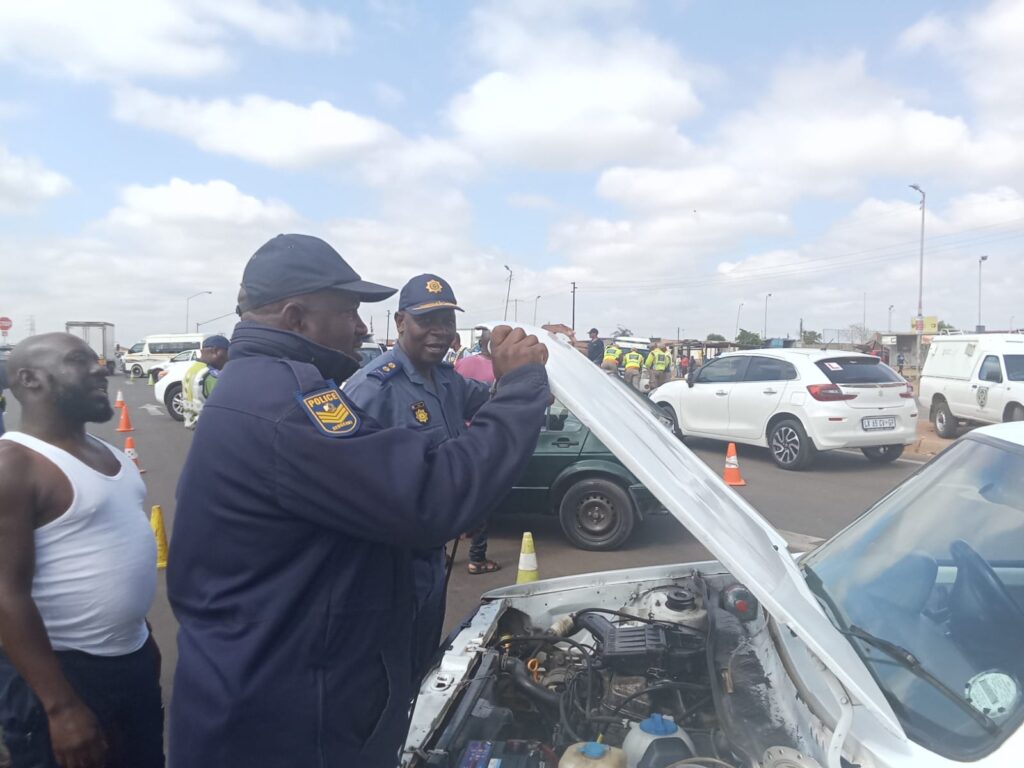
(676,159)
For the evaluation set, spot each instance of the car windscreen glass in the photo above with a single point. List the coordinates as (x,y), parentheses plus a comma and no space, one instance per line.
(858,370)
(137,348)
(1014,367)
(366,354)
(937,568)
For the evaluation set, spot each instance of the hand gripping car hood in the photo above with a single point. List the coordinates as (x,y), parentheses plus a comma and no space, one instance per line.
(744,542)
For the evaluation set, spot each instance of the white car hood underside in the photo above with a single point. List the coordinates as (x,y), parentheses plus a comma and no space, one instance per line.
(743,541)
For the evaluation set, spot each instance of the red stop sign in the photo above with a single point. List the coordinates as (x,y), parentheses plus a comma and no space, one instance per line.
(5,323)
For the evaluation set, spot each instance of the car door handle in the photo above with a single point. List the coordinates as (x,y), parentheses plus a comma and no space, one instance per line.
(565,442)
(721,393)
(769,391)
(974,386)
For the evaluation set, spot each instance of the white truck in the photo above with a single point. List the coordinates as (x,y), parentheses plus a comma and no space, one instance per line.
(99,336)
(973,379)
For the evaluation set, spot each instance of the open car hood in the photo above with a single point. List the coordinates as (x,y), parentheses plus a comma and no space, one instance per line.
(743,541)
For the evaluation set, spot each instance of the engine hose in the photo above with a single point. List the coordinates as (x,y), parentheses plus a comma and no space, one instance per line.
(524,682)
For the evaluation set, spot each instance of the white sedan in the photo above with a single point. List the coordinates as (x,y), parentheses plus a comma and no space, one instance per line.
(896,643)
(796,402)
(168,388)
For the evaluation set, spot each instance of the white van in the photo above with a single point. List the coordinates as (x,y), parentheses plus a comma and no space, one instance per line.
(977,379)
(154,350)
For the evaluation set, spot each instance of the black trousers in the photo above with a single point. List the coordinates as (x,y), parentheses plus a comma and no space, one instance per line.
(122,691)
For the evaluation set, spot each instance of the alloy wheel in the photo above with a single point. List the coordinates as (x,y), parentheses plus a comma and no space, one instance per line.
(785,445)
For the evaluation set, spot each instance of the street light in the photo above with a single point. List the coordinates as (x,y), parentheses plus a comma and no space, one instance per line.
(738,310)
(213,319)
(189,299)
(764,337)
(981,260)
(919,324)
(535,310)
(508,293)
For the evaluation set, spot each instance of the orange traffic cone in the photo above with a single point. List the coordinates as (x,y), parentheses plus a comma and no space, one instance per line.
(125,425)
(732,467)
(131,453)
(119,402)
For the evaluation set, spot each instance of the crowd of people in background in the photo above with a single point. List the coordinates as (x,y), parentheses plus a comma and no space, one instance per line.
(631,363)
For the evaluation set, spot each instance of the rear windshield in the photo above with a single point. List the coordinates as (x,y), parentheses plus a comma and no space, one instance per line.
(858,370)
(1014,367)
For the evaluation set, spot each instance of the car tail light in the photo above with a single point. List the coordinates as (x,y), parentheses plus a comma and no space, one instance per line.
(828,392)
(908,392)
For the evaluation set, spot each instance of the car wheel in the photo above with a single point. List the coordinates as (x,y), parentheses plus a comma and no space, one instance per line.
(944,421)
(174,400)
(789,445)
(596,514)
(883,454)
(669,414)
(137,372)
(1016,413)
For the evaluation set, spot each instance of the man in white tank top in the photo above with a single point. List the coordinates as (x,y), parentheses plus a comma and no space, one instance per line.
(79,670)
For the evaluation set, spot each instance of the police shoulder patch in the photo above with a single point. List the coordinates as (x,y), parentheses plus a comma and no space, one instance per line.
(332,414)
(386,371)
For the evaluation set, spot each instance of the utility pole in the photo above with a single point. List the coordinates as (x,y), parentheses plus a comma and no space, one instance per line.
(981,260)
(890,317)
(535,309)
(573,326)
(764,338)
(919,322)
(738,310)
(515,310)
(387,329)
(864,317)
(508,292)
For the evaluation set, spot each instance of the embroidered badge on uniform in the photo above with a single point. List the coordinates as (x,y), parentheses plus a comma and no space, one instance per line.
(433,286)
(330,412)
(420,412)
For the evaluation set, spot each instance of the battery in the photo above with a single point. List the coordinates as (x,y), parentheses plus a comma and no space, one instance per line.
(503,754)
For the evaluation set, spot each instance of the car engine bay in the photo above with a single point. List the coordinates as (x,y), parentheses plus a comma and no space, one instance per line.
(682,672)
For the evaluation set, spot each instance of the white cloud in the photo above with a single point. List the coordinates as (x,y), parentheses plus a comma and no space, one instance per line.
(532,202)
(388,96)
(114,39)
(25,182)
(561,97)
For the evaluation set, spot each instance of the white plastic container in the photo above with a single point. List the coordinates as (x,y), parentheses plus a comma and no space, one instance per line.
(641,735)
(590,754)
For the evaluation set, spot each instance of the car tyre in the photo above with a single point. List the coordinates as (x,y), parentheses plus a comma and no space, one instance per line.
(789,445)
(883,454)
(137,372)
(1016,413)
(596,514)
(174,401)
(944,421)
(670,414)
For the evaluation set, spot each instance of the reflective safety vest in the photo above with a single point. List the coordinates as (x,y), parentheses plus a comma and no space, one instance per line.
(659,360)
(632,360)
(612,353)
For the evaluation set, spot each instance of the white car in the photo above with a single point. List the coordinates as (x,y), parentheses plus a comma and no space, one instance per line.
(896,643)
(796,402)
(168,387)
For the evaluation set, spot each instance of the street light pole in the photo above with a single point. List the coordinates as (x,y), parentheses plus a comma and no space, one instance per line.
(187,301)
(890,317)
(738,310)
(919,323)
(508,292)
(535,309)
(981,260)
(764,337)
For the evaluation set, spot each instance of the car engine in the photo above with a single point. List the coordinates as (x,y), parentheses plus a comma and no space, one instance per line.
(671,675)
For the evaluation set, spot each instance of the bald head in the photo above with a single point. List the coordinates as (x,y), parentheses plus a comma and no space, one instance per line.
(59,376)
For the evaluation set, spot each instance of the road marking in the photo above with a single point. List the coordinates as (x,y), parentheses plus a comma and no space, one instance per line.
(901,460)
(152,410)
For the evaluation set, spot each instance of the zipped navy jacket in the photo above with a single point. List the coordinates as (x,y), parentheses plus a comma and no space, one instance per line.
(290,568)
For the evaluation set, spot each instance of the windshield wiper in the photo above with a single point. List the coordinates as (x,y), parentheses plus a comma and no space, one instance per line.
(909,661)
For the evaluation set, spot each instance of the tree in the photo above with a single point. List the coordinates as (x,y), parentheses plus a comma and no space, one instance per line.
(621,331)
(749,339)
(811,338)
(944,326)
(715,337)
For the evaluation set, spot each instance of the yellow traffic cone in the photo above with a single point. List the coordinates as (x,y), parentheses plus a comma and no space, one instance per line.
(527,561)
(156,522)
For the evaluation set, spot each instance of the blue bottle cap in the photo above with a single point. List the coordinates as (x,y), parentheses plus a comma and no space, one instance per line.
(594,750)
(657,725)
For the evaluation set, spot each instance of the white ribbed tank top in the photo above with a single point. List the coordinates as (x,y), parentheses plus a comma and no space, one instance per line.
(95,572)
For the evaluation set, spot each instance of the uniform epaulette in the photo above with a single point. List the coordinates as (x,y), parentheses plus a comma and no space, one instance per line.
(385,372)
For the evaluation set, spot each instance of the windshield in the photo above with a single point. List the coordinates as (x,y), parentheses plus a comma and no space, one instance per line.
(1014,367)
(136,348)
(937,567)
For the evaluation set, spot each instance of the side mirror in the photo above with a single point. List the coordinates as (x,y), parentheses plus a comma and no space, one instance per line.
(691,376)
(994,377)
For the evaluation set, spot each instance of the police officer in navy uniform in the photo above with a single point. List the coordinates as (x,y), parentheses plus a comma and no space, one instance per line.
(290,569)
(411,386)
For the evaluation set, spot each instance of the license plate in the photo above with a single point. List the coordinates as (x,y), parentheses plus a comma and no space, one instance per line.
(878,422)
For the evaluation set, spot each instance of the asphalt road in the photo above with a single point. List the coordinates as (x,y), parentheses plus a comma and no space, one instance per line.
(814,503)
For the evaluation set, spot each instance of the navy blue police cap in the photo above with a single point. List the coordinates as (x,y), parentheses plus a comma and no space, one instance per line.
(215,342)
(291,265)
(426,293)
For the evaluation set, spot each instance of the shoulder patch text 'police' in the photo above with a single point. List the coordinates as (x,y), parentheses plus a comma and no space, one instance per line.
(330,412)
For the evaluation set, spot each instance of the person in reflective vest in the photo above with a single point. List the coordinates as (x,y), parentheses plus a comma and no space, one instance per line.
(659,363)
(201,377)
(612,357)
(632,362)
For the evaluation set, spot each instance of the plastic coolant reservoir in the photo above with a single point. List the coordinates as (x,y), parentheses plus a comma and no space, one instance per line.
(671,738)
(590,754)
